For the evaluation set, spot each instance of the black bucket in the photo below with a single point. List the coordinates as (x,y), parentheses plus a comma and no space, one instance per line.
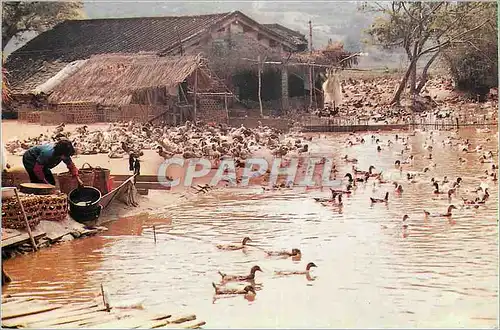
(84,204)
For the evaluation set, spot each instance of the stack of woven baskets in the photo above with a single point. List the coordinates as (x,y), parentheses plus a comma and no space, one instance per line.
(37,208)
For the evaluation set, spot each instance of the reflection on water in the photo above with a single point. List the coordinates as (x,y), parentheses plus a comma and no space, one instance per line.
(371,271)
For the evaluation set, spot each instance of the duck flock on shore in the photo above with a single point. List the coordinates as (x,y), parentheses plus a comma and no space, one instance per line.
(191,140)
(250,288)
(366,99)
(459,192)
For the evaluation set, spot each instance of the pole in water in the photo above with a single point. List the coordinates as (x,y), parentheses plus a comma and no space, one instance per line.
(154,233)
(106,304)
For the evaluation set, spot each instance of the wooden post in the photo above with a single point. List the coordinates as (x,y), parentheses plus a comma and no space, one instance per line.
(310,67)
(154,233)
(284,89)
(106,303)
(260,86)
(225,107)
(195,91)
(32,239)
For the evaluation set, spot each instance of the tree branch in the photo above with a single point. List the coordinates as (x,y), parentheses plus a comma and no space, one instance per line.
(451,40)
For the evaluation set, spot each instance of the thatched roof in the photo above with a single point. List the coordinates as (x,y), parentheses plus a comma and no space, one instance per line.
(74,40)
(113,79)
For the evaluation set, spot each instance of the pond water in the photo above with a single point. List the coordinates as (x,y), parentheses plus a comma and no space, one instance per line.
(439,272)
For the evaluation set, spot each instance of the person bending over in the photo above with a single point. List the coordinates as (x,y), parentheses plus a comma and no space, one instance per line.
(39,160)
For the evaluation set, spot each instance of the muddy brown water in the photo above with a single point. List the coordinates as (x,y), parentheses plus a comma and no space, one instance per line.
(439,272)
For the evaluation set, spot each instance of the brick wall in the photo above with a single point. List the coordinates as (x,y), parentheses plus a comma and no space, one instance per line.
(211,109)
(88,113)
(51,118)
(78,112)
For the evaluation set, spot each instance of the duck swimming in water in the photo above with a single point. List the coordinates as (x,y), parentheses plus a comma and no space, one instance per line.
(306,272)
(456,184)
(354,180)
(349,160)
(246,290)
(380,200)
(398,188)
(447,214)
(293,253)
(239,278)
(405,217)
(341,191)
(231,247)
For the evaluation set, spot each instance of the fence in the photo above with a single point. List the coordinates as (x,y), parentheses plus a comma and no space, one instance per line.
(337,124)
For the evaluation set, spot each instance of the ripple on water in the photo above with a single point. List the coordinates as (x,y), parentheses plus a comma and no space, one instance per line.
(438,272)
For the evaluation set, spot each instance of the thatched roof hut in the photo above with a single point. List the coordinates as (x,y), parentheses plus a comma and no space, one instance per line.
(119,79)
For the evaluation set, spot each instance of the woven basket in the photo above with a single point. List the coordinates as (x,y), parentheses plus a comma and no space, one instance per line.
(12,216)
(54,207)
(67,182)
(101,179)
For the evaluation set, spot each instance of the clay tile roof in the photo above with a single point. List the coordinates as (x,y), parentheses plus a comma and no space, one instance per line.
(80,39)
(295,37)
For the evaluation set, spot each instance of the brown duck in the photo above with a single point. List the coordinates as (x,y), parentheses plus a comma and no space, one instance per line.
(306,272)
(232,247)
(246,290)
(293,253)
(447,214)
(238,278)
(380,200)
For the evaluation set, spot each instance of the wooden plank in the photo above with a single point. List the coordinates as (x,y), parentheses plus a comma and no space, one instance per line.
(194,325)
(140,178)
(10,235)
(25,237)
(11,307)
(153,324)
(129,323)
(57,313)
(150,185)
(88,323)
(28,311)
(182,319)
(63,320)
(7,301)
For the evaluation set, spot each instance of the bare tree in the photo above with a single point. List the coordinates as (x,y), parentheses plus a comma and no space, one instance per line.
(423,29)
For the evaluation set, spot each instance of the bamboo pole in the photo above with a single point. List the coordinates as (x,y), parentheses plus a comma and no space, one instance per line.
(195,91)
(106,303)
(225,107)
(310,68)
(32,239)
(260,87)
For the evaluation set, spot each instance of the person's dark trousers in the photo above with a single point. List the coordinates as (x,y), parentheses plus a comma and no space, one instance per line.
(34,179)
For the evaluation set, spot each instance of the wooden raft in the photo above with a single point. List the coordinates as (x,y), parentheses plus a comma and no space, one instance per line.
(20,312)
